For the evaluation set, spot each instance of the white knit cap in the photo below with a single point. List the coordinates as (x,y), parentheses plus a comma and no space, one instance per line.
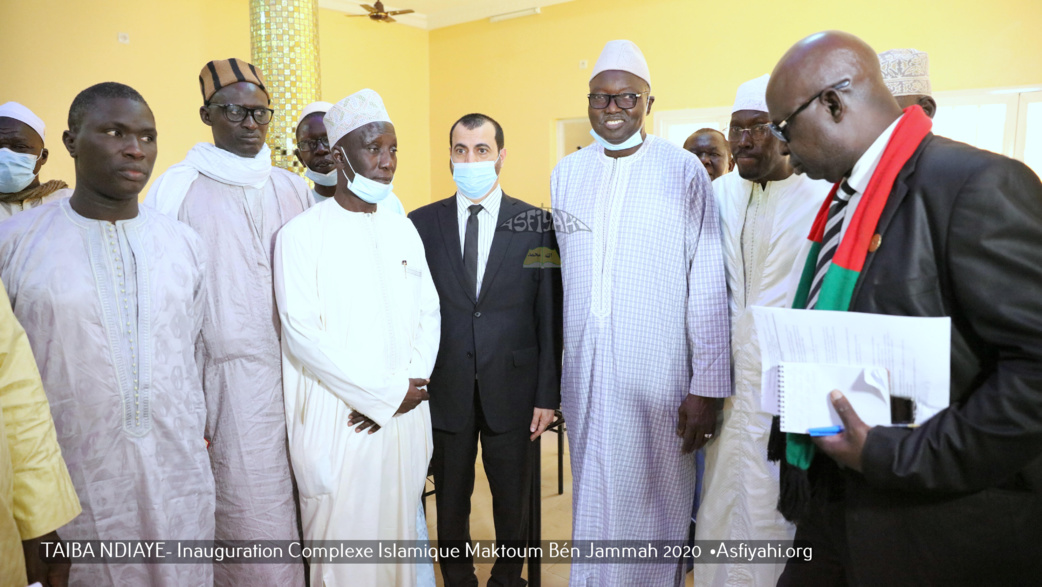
(906,72)
(752,95)
(310,109)
(354,111)
(622,56)
(21,113)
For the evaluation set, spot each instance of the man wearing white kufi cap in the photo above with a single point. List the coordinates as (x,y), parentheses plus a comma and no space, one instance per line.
(314,154)
(645,323)
(232,195)
(766,212)
(361,325)
(22,154)
(906,73)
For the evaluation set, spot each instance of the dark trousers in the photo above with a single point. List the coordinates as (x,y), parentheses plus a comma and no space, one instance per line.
(825,530)
(507,461)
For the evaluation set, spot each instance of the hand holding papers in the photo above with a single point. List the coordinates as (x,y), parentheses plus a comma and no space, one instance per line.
(846,447)
(914,351)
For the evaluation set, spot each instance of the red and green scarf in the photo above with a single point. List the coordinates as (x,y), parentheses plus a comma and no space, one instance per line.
(837,287)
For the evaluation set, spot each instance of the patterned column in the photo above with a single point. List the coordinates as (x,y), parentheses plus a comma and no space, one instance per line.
(284,45)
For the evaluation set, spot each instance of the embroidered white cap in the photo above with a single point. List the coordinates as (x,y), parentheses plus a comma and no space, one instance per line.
(22,114)
(312,108)
(354,111)
(906,72)
(752,95)
(625,56)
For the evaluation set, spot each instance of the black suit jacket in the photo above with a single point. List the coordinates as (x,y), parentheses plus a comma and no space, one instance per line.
(958,501)
(510,336)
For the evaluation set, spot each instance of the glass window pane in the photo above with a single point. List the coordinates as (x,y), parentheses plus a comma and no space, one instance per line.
(991,127)
(983,126)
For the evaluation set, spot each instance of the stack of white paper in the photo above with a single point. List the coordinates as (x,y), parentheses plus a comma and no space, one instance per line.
(803,395)
(916,352)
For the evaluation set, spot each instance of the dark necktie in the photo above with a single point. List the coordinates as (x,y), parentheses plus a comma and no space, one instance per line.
(470,248)
(829,240)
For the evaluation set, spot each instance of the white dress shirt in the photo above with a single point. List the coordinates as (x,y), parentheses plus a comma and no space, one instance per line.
(487,218)
(863,170)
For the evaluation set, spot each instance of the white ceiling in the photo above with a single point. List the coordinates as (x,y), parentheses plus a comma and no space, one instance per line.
(434,14)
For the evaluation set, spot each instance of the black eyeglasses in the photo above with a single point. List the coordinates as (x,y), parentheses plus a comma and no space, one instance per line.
(308,145)
(237,113)
(781,130)
(623,101)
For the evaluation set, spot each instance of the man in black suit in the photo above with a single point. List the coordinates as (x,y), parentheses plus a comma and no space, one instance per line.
(957,500)
(497,375)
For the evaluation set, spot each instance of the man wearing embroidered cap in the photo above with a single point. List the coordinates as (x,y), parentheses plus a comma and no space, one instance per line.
(645,323)
(236,200)
(766,211)
(22,154)
(360,333)
(906,73)
(313,152)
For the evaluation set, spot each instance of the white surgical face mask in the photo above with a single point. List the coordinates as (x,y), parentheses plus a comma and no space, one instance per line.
(326,179)
(474,180)
(634,140)
(367,189)
(17,170)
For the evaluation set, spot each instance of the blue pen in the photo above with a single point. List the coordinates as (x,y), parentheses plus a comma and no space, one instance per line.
(826,431)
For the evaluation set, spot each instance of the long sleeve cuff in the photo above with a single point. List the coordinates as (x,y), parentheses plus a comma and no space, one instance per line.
(878,454)
(715,380)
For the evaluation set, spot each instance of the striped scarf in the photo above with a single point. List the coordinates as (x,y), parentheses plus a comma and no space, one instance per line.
(837,288)
(29,194)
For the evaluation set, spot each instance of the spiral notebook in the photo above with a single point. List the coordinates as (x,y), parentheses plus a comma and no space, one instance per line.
(803,394)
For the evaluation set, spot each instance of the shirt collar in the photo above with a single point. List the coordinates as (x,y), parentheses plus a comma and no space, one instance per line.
(143,213)
(771,185)
(490,204)
(869,160)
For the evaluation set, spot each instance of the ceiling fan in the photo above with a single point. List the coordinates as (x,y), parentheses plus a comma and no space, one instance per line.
(377,12)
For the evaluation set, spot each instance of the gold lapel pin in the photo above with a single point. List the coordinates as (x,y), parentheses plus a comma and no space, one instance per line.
(875,242)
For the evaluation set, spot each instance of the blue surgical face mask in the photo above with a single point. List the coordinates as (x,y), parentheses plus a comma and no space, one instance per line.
(634,140)
(367,189)
(17,170)
(326,179)
(475,180)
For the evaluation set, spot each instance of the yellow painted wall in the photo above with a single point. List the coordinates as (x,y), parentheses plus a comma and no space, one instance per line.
(525,72)
(391,59)
(53,49)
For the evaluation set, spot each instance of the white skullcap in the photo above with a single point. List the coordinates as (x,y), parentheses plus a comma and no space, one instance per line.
(752,95)
(906,72)
(354,111)
(21,113)
(622,56)
(310,109)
